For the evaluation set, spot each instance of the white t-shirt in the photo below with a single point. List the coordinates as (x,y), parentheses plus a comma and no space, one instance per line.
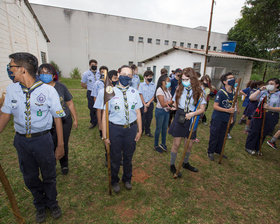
(167,97)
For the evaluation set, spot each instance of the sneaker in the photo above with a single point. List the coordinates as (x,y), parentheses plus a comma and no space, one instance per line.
(205,123)
(188,166)
(116,188)
(149,135)
(127,185)
(173,170)
(56,211)
(229,136)
(64,170)
(158,149)
(272,145)
(211,156)
(163,147)
(251,152)
(41,215)
(224,156)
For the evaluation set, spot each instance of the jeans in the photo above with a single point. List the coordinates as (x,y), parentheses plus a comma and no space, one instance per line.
(162,118)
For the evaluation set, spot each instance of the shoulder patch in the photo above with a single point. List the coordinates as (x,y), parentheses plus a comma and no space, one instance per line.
(109,89)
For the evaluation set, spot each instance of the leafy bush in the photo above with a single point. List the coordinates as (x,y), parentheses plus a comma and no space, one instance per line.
(141,77)
(56,68)
(75,74)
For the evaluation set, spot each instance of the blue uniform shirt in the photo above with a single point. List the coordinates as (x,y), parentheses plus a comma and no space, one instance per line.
(44,105)
(273,99)
(135,81)
(182,101)
(147,90)
(246,100)
(174,84)
(116,105)
(225,101)
(90,78)
(98,85)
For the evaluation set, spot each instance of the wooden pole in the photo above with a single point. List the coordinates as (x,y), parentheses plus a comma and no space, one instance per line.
(11,196)
(263,122)
(208,38)
(229,122)
(187,144)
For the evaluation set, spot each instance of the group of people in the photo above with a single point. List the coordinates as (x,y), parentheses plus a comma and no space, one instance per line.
(44,112)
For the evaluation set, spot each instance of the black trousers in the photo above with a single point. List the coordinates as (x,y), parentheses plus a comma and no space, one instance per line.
(37,155)
(253,138)
(66,126)
(217,134)
(92,111)
(147,118)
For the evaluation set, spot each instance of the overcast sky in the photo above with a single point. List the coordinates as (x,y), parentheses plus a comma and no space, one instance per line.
(189,13)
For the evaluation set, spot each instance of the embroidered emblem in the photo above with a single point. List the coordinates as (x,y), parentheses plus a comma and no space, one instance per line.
(39,113)
(133,91)
(14,104)
(117,108)
(132,107)
(59,112)
(109,89)
(39,104)
(41,98)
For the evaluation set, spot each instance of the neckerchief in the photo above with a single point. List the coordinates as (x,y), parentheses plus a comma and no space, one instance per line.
(123,90)
(188,99)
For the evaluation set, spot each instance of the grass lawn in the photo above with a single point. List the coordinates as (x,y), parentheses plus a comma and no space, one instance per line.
(243,189)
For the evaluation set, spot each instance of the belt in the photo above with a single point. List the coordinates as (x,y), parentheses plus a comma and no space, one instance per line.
(34,134)
(126,125)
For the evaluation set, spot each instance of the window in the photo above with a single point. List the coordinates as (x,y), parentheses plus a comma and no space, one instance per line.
(181,44)
(131,38)
(140,39)
(158,41)
(215,48)
(202,47)
(209,47)
(149,68)
(43,57)
(189,45)
(197,66)
(130,63)
(139,64)
(174,43)
(149,40)
(166,42)
(195,46)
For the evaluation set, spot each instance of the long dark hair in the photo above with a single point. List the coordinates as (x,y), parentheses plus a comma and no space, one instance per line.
(208,80)
(159,84)
(196,89)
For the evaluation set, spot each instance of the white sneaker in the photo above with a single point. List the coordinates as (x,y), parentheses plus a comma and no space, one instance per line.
(229,136)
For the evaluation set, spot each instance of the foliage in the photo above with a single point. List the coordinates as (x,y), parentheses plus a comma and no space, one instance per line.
(75,74)
(141,77)
(59,72)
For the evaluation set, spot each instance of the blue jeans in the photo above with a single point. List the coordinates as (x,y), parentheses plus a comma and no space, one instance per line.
(162,118)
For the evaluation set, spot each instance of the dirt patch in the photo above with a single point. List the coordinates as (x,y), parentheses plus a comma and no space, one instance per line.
(139,175)
(124,213)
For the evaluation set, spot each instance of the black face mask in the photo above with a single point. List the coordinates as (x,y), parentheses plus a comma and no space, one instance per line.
(93,67)
(114,83)
(149,80)
(205,84)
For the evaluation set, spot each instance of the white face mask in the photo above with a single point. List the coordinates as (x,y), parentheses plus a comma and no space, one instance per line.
(270,87)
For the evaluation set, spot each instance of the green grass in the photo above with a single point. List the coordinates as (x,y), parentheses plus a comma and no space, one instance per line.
(243,189)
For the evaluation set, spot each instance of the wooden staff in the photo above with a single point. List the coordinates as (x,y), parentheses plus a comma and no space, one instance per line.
(263,122)
(187,144)
(11,196)
(229,122)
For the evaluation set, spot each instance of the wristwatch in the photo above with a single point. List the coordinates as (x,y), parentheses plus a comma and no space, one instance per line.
(103,139)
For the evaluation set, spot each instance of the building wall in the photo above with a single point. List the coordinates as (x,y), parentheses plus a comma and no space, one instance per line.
(77,36)
(18,32)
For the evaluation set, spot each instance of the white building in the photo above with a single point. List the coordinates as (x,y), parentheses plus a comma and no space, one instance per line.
(218,63)
(78,36)
(20,31)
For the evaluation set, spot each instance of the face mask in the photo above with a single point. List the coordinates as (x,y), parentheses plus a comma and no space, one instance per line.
(10,74)
(231,82)
(114,83)
(46,78)
(149,80)
(269,87)
(235,85)
(186,83)
(168,84)
(102,76)
(124,80)
(93,67)
(205,84)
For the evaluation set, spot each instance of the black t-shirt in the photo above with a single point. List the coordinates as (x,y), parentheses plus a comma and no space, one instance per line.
(64,96)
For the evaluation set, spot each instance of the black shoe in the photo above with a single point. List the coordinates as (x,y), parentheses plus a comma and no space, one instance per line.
(149,135)
(163,147)
(158,149)
(41,215)
(173,170)
(56,211)
(189,167)
(211,156)
(64,170)
(224,156)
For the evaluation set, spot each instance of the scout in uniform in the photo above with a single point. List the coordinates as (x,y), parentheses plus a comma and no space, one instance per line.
(124,119)
(220,116)
(34,105)
(186,98)
(88,79)
(135,81)
(147,91)
(272,109)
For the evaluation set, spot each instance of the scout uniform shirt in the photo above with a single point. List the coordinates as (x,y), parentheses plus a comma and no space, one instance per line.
(273,99)
(117,114)
(135,81)
(147,90)
(34,114)
(90,78)
(98,85)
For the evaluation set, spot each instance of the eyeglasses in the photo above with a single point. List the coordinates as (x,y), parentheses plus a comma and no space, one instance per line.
(10,66)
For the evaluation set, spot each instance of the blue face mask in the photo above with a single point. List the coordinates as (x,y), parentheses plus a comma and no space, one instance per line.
(231,82)
(10,74)
(168,84)
(46,78)
(235,85)
(186,83)
(124,80)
